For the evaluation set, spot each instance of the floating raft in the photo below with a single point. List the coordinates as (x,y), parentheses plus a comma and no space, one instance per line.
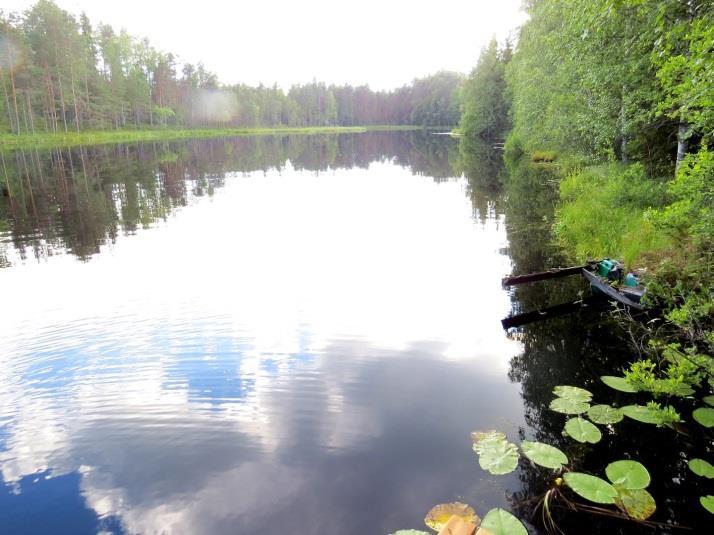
(628,296)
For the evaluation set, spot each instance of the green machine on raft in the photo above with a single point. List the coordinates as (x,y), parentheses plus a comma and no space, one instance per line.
(609,277)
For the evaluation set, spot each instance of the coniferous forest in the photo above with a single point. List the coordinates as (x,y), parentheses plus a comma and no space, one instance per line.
(61,74)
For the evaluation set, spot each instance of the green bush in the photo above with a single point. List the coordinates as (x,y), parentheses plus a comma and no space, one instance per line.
(603,213)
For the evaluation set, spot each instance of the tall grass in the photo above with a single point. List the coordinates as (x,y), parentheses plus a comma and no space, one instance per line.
(64,139)
(604,212)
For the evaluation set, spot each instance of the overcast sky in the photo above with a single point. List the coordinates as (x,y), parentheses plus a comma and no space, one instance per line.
(385,43)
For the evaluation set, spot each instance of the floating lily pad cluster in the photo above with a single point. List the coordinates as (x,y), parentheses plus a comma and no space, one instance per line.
(626,488)
(496,522)
(498,456)
(576,401)
(635,501)
(704,468)
(495,454)
(645,413)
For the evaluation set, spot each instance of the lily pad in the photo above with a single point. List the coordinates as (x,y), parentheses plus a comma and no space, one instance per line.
(590,487)
(704,415)
(478,436)
(682,390)
(410,532)
(495,454)
(544,454)
(568,406)
(604,414)
(708,503)
(573,392)
(439,515)
(709,400)
(628,475)
(641,413)
(618,383)
(501,522)
(702,468)
(582,430)
(637,503)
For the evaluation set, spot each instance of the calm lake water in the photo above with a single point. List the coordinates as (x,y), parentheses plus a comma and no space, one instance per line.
(272,335)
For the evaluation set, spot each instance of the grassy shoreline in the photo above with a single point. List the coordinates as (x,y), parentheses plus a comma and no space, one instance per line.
(45,140)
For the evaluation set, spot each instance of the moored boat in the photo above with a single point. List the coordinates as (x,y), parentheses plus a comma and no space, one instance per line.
(608,278)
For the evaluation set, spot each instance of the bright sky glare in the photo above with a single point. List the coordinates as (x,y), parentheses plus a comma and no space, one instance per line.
(385,43)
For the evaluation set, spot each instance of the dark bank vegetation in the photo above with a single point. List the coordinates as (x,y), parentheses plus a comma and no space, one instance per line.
(60,74)
(609,104)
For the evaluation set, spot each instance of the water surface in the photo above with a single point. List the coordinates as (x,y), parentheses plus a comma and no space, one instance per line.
(251,335)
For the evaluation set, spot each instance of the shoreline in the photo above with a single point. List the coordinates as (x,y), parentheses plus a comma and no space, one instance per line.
(100,137)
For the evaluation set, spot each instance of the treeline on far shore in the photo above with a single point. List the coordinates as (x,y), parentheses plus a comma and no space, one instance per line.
(60,74)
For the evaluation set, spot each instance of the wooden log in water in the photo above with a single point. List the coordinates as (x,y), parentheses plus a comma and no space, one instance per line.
(549,312)
(554,273)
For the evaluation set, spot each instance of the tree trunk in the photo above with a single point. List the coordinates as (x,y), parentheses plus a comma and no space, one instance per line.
(14,91)
(9,108)
(682,142)
(74,97)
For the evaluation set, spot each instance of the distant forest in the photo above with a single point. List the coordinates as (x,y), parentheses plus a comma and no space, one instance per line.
(60,74)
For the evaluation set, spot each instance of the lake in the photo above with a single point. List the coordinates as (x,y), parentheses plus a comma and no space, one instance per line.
(289,334)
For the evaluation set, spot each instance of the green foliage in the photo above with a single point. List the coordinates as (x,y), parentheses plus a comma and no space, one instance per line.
(636,503)
(484,104)
(628,474)
(685,70)
(677,380)
(604,414)
(568,406)
(652,413)
(603,213)
(573,393)
(544,454)
(618,383)
(500,522)
(590,487)
(704,415)
(708,503)
(496,455)
(582,430)
(67,76)
(701,468)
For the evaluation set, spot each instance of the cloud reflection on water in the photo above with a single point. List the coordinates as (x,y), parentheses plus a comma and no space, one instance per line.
(299,348)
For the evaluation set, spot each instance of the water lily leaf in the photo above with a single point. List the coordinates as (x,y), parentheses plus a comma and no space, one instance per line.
(641,413)
(439,515)
(709,400)
(590,487)
(478,436)
(618,383)
(704,415)
(410,532)
(637,503)
(501,522)
(495,454)
(628,475)
(708,503)
(702,468)
(568,406)
(582,430)
(682,390)
(544,454)
(573,392)
(604,414)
